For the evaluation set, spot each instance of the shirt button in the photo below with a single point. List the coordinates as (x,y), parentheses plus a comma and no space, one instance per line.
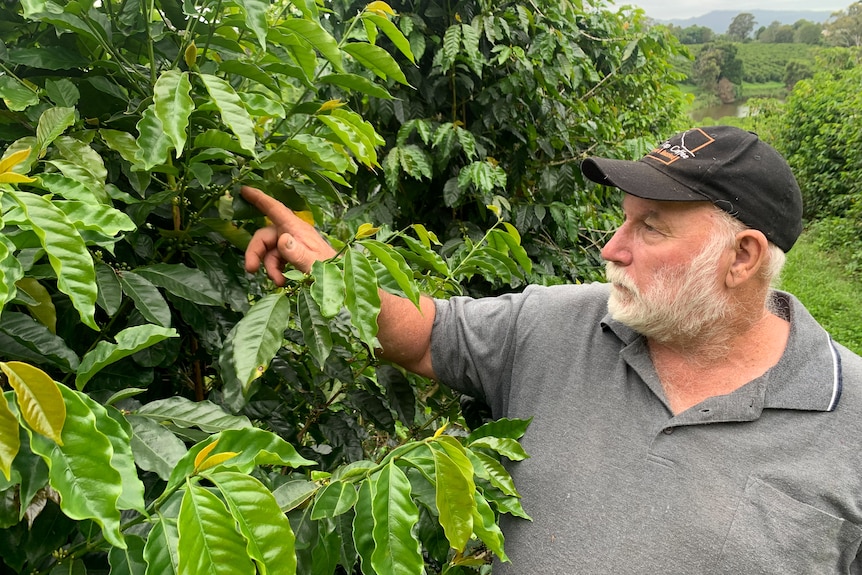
(667,430)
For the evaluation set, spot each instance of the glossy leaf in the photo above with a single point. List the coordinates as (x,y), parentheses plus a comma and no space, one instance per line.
(147,298)
(392,32)
(255,18)
(315,329)
(80,469)
(455,487)
(52,123)
(254,341)
(37,340)
(128,561)
(43,310)
(336,498)
(40,401)
(395,514)
(363,527)
(66,251)
(355,83)
(328,288)
(160,550)
(314,34)
(396,266)
(154,144)
(362,298)
(100,218)
(10,442)
(377,60)
(129,341)
(155,448)
(503,427)
(182,281)
(71,189)
(209,543)
(174,105)
(503,445)
(270,539)
(352,138)
(10,271)
(184,412)
(486,528)
(493,471)
(233,114)
(292,494)
(327,154)
(110,292)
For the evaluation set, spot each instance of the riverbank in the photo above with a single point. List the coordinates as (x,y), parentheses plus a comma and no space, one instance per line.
(706,109)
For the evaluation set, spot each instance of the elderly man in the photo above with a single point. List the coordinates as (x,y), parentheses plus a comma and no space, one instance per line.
(687,418)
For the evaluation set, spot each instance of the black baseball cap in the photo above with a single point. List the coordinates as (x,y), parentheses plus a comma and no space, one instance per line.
(730,167)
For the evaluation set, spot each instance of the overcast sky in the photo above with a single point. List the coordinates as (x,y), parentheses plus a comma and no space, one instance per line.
(667,9)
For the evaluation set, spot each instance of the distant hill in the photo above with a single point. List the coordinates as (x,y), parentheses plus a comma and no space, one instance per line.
(719,20)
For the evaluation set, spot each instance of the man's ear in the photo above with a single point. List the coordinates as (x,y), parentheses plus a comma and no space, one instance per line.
(750,253)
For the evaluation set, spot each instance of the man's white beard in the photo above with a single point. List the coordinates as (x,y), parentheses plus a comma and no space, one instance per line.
(682,305)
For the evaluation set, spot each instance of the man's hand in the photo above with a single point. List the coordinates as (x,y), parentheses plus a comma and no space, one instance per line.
(289,240)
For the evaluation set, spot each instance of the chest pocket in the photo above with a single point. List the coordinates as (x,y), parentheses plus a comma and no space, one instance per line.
(772,533)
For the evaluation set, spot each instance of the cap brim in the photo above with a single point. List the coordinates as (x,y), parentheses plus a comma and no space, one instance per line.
(638,179)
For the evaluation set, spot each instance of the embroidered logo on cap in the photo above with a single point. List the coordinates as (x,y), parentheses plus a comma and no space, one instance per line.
(685,146)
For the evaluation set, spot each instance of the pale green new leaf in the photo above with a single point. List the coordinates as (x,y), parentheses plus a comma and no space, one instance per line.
(470,40)
(392,32)
(254,341)
(89,166)
(10,271)
(492,470)
(396,550)
(455,487)
(363,526)
(147,298)
(353,82)
(396,266)
(503,445)
(174,105)
(89,192)
(233,114)
(486,528)
(255,18)
(80,470)
(270,539)
(325,153)
(16,95)
(348,134)
(182,281)
(328,288)
(10,440)
(42,305)
(451,46)
(154,144)
(121,142)
(209,543)
(415,161)
(376,59)
(427,256)
(313,33)
(336,498)
(38,397)
(361,297)
(129,341)
(52,123)
(67,253)
(315,329)
(103,219)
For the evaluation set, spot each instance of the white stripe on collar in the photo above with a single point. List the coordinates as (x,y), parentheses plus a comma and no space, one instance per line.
(837,382)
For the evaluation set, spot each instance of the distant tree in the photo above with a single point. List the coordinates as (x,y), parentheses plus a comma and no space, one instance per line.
(693,34)
(776,33)
(806,32)
(845,28)
(741,26)
(796,70)
(718,70)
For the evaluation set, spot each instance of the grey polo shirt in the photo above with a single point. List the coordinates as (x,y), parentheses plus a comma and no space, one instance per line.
(767,479)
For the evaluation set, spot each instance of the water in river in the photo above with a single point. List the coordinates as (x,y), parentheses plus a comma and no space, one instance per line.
(739,109)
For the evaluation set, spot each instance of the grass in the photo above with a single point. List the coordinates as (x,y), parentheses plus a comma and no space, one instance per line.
(822,283)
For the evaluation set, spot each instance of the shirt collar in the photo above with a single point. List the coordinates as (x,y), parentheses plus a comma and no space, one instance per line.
(807,377)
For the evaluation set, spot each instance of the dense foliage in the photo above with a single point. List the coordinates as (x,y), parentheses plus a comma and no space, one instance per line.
(165,412)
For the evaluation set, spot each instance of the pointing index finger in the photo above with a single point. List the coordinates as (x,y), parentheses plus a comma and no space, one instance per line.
(278,213)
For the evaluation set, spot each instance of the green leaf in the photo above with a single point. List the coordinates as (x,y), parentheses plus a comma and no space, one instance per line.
(37,339)
(363,527)
(392,32)
(354,139)
(493,471)
(252,447)
(188,283)
(154,144)
(52,123)
(16,95)
(314,35)
(503,445)
(174,105)
(10,271)
(324,153)
(80,469)
(376,59)
(315,329)
(129,341)
(233,114)
(355,83)
(451,46)
(255,18)
(270,539)
(10,441)
(336,498)
(292,494)
(455,487)
(512,240)
(415,161)
(254,341)
(147,298)
(504,427)
(486,528)
(40,401)
(110,292)
(328,288)
(129,561)
(67,253)
(395,514)
(160,550)
(183,412)
(65,187)
(209,543)
(361,297)
(428,257)
(155,447)
(42,306)
(121,142)
(103,219)
(396,266)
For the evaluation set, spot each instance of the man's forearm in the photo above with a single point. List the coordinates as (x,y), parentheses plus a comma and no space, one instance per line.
(405,332)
